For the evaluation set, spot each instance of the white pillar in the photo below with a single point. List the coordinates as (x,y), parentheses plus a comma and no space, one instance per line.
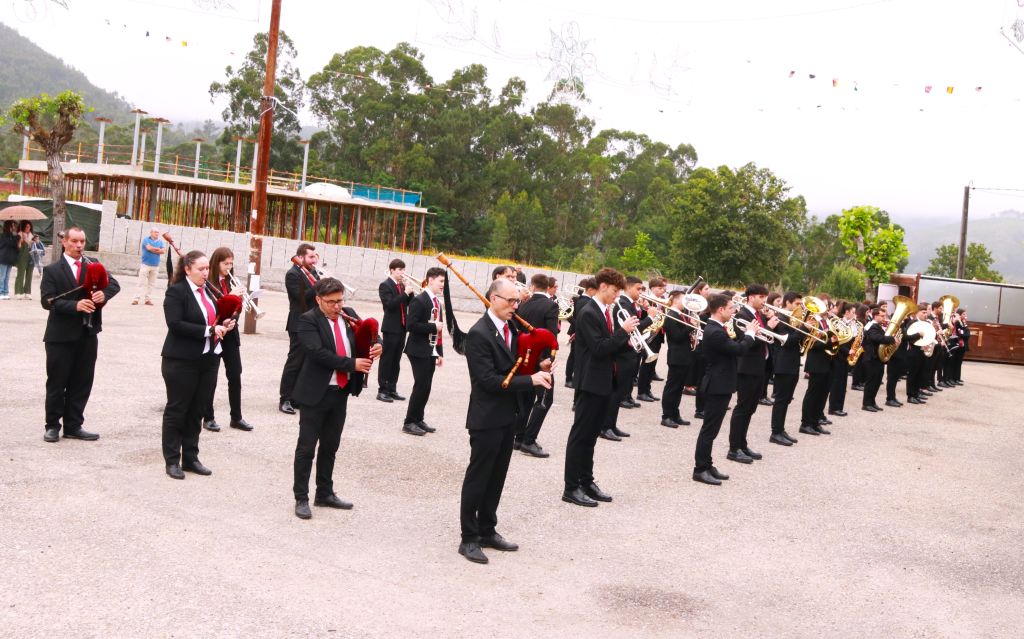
(195,172)
(159,144)
(302,208)
(238,160)
(99,146)
(142,152)
(135,138)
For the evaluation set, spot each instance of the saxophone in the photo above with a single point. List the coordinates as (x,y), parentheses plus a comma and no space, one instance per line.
(857,349)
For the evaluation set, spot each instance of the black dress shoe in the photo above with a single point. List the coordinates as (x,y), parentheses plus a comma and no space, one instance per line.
(395,396)
(413,429)
(699,414)
(211,425)
(657,378)
(751,454)
(790,437)
(687,390)
(777,438)
(857,387)
(332,501)
(933,388)
(647,397)
(808,430)
(620,433)
(384,397)
(286,407)
(739,456)
(914,400)
(820,428)
(302,510)
(670,422)
(893,403)
(871,408)
(626,403)
(174,471)
(705,477)
(196,467)
(426,429)
(51,435)
(610,436)
(241,424)
(498,542)
(717,475)
(471,551)
(579,497)
(838,413)
(82,434)
(517,444)
(568,383)
(595,493)
(923,393)
(764,401)
(534,450)
(824,421)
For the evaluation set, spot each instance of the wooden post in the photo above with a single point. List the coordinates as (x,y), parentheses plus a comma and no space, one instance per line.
(961,257)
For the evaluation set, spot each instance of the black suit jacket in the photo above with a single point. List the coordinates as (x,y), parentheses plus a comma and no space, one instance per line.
(577,306)
(541,311)
(625,355)
(818,360)
(874,336)
(186,323)
(321,359)
(301,296)
(417,322)
(721,352)
(395,303)
(489,360)
(65,323)
(786,358)
(751,362)
(677,336)
(596,350)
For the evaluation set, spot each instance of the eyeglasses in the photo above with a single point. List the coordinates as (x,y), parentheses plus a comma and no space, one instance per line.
(513,302)
(332,302)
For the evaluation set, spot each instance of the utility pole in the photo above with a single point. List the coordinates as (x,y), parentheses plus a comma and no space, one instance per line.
(259,196)
(961,258)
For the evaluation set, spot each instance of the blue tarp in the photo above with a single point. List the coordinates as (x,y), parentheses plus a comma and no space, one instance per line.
(386,195)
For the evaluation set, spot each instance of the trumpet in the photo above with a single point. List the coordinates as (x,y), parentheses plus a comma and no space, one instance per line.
(412,284)
(248,301)
(762,333)
(795,322)
(664,307)
(435,317)
(636,338)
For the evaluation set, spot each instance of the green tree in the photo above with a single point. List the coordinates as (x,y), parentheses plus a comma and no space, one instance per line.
(50,122)
(843,281)
(977,265)
(876,245)
(639,258)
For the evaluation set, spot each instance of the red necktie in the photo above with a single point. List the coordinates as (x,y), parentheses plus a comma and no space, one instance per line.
(764,347)
(608,318)
(224,285)
(341,377)
(78,271)
(401,307)
(508,338)
(437,307)
(211,316)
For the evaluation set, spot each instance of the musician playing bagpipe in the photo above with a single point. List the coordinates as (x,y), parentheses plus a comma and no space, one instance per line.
(540,310)
(74,290)
(222,263)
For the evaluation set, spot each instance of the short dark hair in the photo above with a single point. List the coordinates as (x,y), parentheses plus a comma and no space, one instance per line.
(672,295)
(73,227)
(790,296)
(936,305)
(328,285)
(773,297)
(303,249)
(396,263)
(608,275)
(716,302)
(632,279)
(756,289)
(499,271)
(435,271)
(588,283)
(875,312)
(657,281)
(728,293)
(540,281)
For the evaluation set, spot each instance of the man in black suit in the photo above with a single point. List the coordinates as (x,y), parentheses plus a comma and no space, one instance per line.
(916,361)
(699,364)
(589,290)
(656,287)
(819,370)
(395,300)
(70,338)
(786,369)
(627,361)
(541,312)
(847,313)
(599,342)
(874,336)
(750,375)
(719,383)
(330,373)
(491,347)
(680,356)
(425,323)
(963,331)
(299,283)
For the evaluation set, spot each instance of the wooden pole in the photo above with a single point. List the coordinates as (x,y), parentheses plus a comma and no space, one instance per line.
(961,258)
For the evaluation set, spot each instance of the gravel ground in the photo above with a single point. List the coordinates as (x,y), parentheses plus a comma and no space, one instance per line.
(907,523)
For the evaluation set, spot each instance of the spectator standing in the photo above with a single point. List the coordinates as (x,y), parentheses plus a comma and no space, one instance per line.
(152,248)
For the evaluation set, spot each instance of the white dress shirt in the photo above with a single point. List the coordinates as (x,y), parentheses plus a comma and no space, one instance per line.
(342,328)
(199,294)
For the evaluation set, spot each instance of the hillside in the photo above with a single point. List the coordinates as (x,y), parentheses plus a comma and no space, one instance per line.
(1002,234)
(27,70)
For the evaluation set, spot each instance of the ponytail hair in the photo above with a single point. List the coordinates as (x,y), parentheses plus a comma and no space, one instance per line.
(184,262)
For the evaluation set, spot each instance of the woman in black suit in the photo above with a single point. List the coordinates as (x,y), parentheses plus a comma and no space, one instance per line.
(191,358)
(222,263)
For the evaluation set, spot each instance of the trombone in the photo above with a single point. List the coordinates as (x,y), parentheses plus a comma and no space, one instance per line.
(664,307)
(795,322)
(762,333)
(412,284)
(636,338)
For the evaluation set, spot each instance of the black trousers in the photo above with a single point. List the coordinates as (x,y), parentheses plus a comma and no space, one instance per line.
(837,387)
(748,392)
(872,381)
(714,414)
(542,398)
(490,452)
(292,366)
(915,374)
(814,399)
(623,389)
(70,368)
(696,375)
(189,385)
(939,364)
(390,362)
(646,374)
(321,423)
(860,373)
(232,357)
(570,362)
(673,393)
(423,379)
(785,385)
(894,369)
(587,423)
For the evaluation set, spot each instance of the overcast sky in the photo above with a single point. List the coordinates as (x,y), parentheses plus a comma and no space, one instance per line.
(730,78)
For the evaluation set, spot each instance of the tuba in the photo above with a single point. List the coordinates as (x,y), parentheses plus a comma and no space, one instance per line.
(904,307)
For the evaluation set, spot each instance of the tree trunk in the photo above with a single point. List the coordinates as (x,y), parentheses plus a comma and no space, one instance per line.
(56,179)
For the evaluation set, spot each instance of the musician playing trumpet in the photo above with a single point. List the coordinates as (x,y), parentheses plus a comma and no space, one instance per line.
(785,368)
(750,374)
(680,358)
(395,298)
(424,348)
(656,287)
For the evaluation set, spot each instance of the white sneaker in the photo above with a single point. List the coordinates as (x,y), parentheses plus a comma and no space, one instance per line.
(27,297)
(5,297)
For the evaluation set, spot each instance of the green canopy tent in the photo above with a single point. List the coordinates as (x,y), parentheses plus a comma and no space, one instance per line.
(77,215)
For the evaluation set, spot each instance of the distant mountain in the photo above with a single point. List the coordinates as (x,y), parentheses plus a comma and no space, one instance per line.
(1002,234)
(27,70)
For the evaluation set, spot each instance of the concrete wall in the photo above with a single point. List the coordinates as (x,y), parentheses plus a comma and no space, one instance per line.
(360,268)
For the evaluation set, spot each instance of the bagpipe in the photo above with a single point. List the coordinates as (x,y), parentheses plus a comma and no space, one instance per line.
(95,279)
(531,343)
(367,331)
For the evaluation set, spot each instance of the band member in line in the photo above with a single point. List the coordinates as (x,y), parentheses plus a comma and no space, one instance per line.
(840,368)
(874,336)
(222,264)
(938,356)
(697,370)
(647,373)
(963,331)
(190,359)
(330,373)
(769,363)
(491,346)
(299,283)
(541,312)
(750,369)
(599,341)
(552,286)
(859,373)
(627,362)
(818,368)
(425,323)
(916,360)
(786,369)
(589,289)
(680,357)
(719,381)
(72,325)
(945,369)
(395,300)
